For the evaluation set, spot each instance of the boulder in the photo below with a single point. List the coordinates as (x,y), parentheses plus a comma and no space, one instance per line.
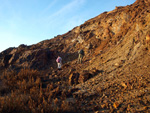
(73,78)
(14,57)
(84,76)
(6,59)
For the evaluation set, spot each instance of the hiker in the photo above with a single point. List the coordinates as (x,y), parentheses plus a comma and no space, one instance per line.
(59,62)
(81,55)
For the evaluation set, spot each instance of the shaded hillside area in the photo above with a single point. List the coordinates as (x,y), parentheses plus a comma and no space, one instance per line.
(114,75)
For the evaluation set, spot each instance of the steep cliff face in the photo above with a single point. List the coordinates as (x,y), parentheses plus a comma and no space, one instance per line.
(119,29)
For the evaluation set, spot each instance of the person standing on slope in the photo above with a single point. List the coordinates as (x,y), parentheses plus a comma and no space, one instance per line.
(81,55)
(59,62)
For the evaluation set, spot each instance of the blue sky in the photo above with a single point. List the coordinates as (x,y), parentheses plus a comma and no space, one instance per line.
(31,21)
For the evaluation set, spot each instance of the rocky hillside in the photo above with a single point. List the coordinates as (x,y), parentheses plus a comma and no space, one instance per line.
(115,73)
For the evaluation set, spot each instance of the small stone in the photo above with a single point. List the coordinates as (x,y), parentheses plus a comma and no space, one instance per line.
(124,85)
(145,108)
(103,105)
(116,64)
(116,105)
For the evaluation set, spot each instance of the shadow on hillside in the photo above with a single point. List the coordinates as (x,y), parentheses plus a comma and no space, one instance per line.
(68,57)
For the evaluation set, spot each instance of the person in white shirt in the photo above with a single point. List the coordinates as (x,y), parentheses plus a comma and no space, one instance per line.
(59,62)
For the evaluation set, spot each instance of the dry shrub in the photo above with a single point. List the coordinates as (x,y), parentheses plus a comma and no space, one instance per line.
(27,96)
(24,80)
(9,78)
(13,104)
(4,89)
(68,107)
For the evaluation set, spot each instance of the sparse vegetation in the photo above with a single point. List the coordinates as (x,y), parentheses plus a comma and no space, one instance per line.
(25,94)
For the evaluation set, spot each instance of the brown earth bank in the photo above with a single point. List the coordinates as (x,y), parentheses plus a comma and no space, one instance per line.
(113,77)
